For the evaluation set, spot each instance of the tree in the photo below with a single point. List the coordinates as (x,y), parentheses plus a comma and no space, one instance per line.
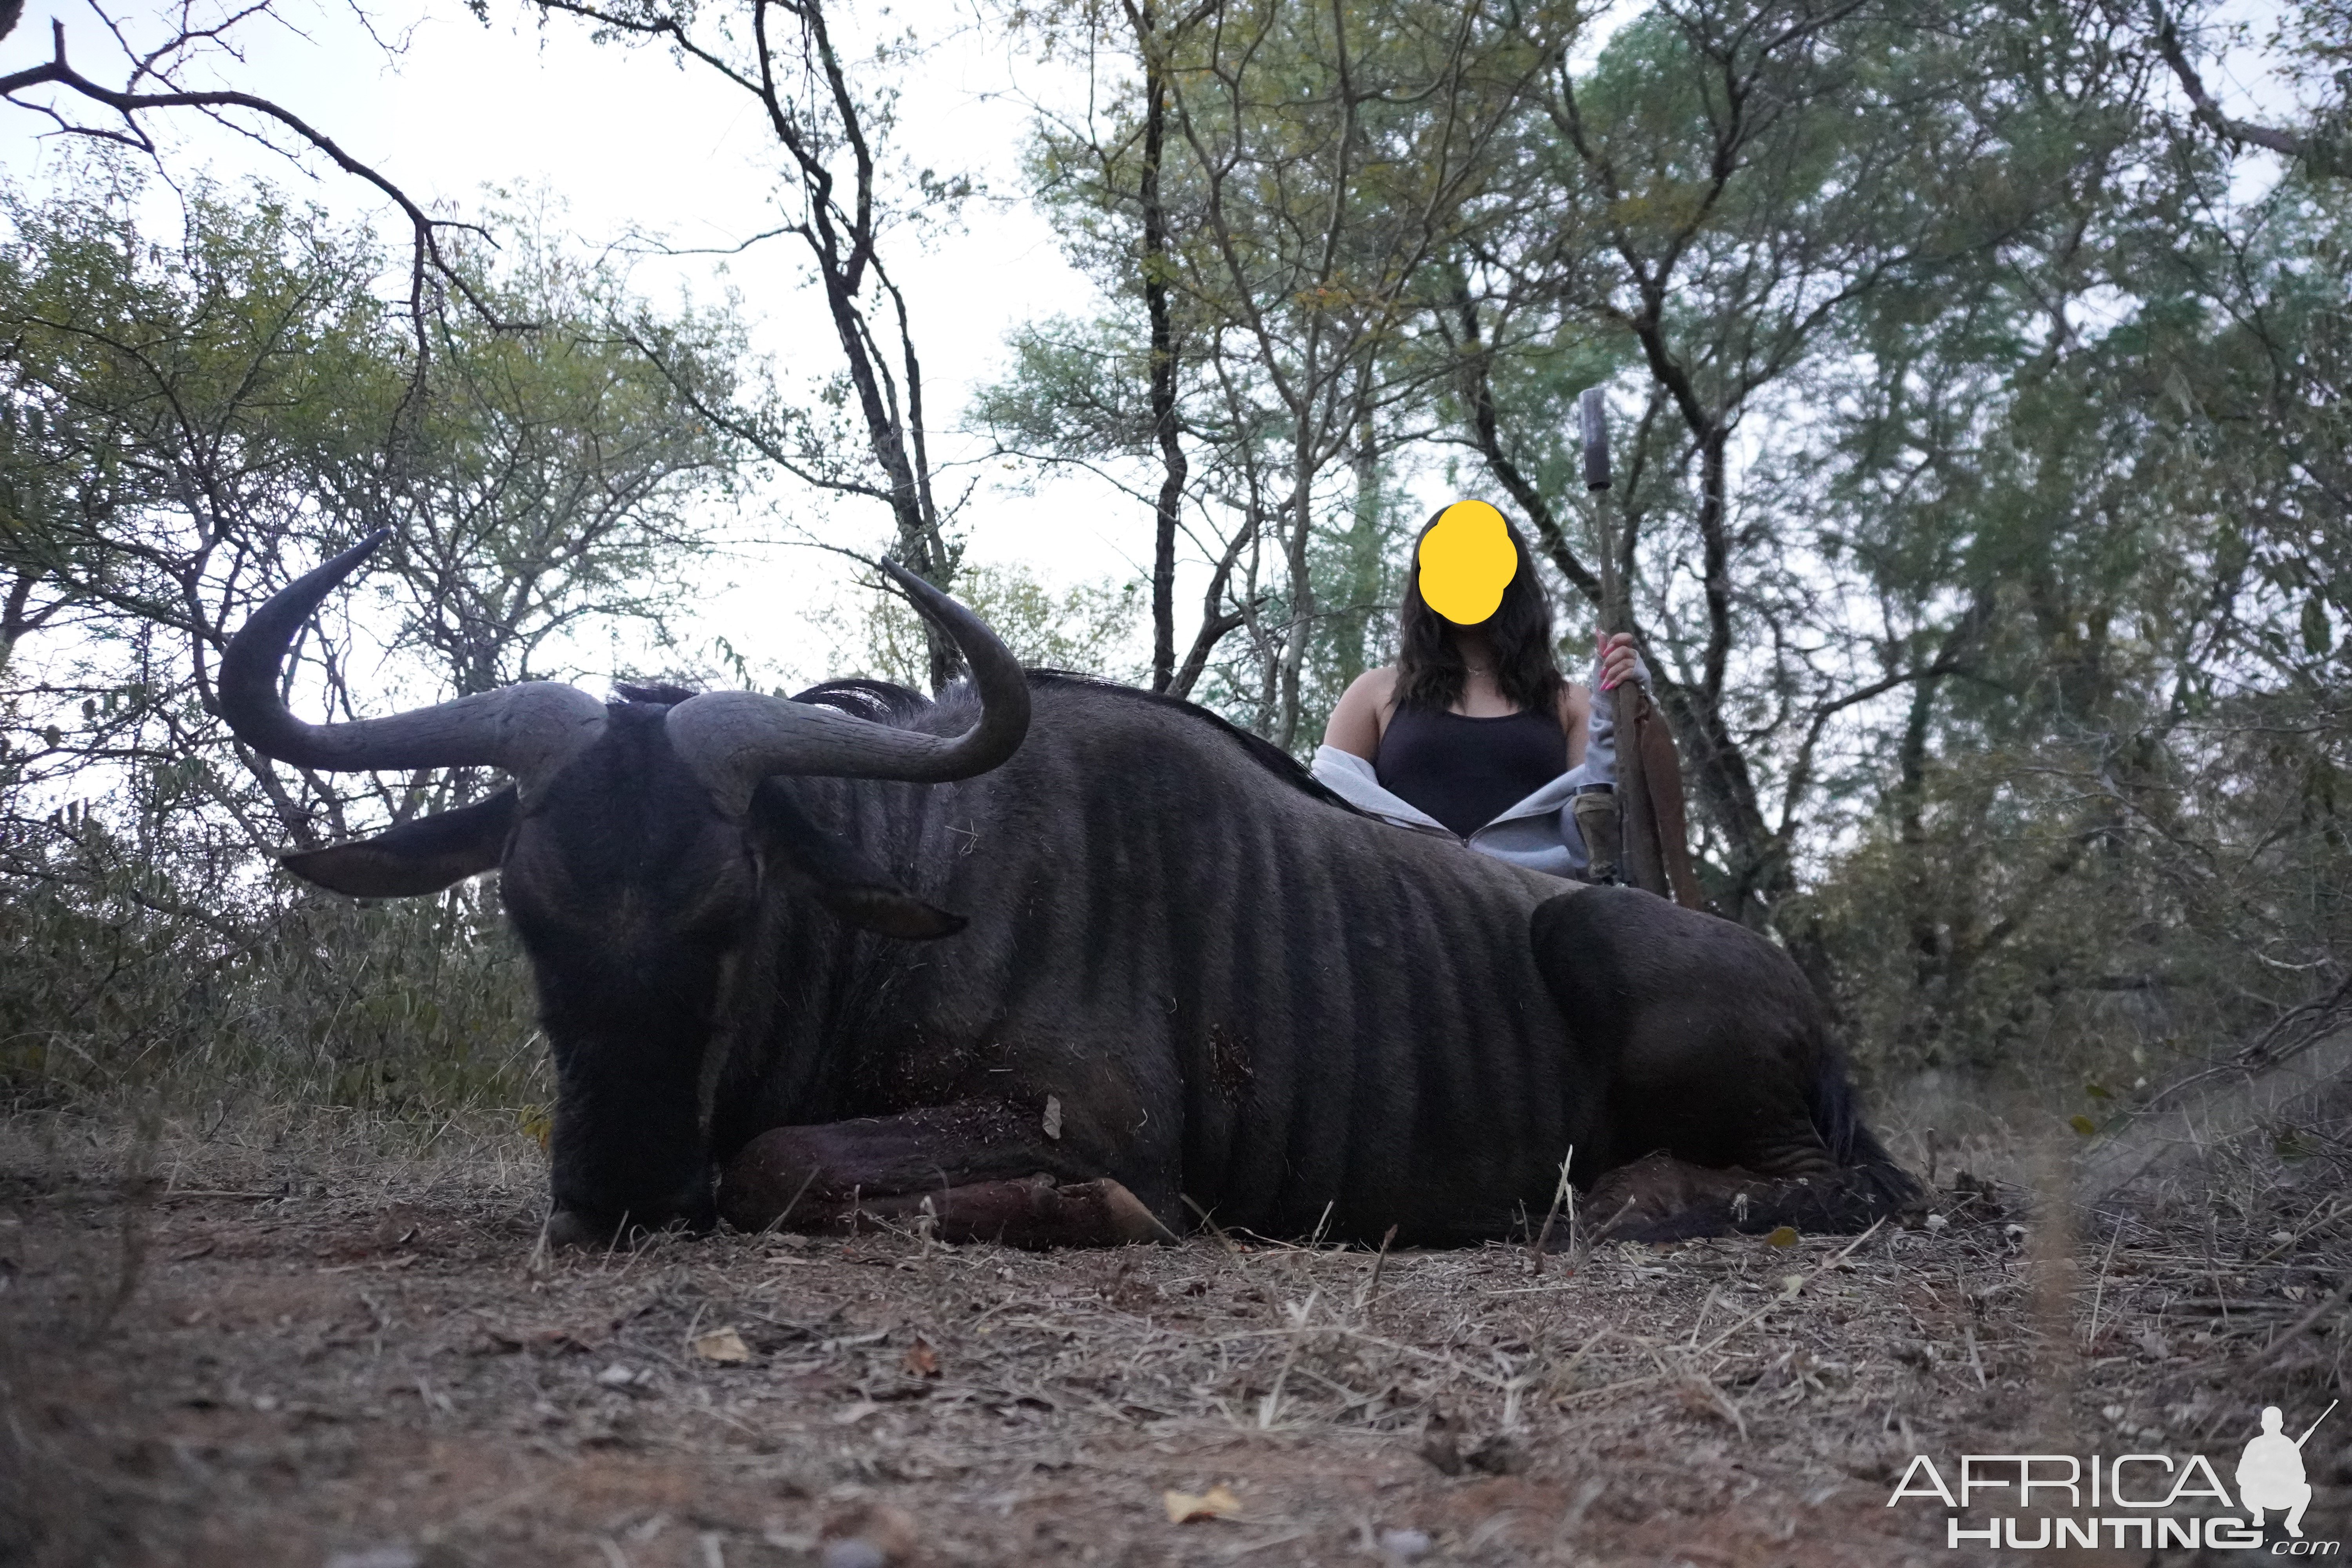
(2315,39)
(1746,183)
(783,56)
(1321,159)
(560,475)
(185,424)
(160,56)
(2125,820)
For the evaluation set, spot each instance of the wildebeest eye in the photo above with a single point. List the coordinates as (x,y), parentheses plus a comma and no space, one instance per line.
(890,912)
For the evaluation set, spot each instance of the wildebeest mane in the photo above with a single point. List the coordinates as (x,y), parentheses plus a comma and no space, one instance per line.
(878,701)
(887,702)
(1257,748)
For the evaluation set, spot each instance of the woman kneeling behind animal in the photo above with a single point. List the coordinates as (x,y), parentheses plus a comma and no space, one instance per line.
(1474,731)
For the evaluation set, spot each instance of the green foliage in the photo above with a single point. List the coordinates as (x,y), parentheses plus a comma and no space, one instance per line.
(183,425)
(128,989)
(2119,827)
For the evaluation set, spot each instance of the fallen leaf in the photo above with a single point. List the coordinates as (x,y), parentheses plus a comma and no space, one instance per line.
(1790,1284)
(721,1344)
(921,1361)
(1783,1235)
(1053,1117)
(1217,1503)
(2083,1124)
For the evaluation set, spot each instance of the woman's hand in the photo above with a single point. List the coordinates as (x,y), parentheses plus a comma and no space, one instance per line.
(1617,656)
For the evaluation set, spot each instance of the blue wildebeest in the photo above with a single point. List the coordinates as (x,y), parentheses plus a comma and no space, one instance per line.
(1056,961)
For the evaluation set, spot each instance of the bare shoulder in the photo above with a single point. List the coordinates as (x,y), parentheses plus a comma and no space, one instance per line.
(1362,712)
(1575,719)
(1575,704)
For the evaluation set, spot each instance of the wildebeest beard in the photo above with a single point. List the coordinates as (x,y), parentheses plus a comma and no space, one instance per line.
(1191,982)
(630,892)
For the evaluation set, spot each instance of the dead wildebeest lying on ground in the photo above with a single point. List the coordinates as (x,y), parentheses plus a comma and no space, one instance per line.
(1177,972)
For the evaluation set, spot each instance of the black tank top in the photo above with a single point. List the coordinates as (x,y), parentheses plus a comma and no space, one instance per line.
(1465,770)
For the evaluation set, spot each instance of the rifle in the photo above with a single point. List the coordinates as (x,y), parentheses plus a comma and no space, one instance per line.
(2323,1415)
(1638,826)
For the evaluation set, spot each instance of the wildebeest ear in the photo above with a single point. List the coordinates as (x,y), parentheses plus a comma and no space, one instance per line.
(847,881)
(420,857)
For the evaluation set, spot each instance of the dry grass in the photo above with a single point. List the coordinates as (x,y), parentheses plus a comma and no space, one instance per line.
(275,1343)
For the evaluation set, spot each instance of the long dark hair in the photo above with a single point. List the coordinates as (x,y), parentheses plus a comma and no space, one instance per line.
(1430,671)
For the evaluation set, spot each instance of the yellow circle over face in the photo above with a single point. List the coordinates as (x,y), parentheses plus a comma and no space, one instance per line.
(1466,562)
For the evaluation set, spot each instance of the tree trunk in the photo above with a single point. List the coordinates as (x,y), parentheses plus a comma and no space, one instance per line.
(1174,468)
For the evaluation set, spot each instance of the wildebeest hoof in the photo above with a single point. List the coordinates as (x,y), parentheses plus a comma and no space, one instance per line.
(1034,1211)
(1660,1198)
(577,1228)
(570,1227)
(1117,1215)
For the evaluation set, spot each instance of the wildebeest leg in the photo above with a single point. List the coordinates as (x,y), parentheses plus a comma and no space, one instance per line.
(1719,1057)
(970,1173)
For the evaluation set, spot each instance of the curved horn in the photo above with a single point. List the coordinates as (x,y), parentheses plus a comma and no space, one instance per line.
(527,729)
(732,740)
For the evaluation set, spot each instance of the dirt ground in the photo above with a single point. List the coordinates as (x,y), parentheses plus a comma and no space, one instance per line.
(289,1347)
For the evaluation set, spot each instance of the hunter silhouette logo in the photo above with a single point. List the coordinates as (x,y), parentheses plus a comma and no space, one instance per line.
(2270,1472)
(2148,1494)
